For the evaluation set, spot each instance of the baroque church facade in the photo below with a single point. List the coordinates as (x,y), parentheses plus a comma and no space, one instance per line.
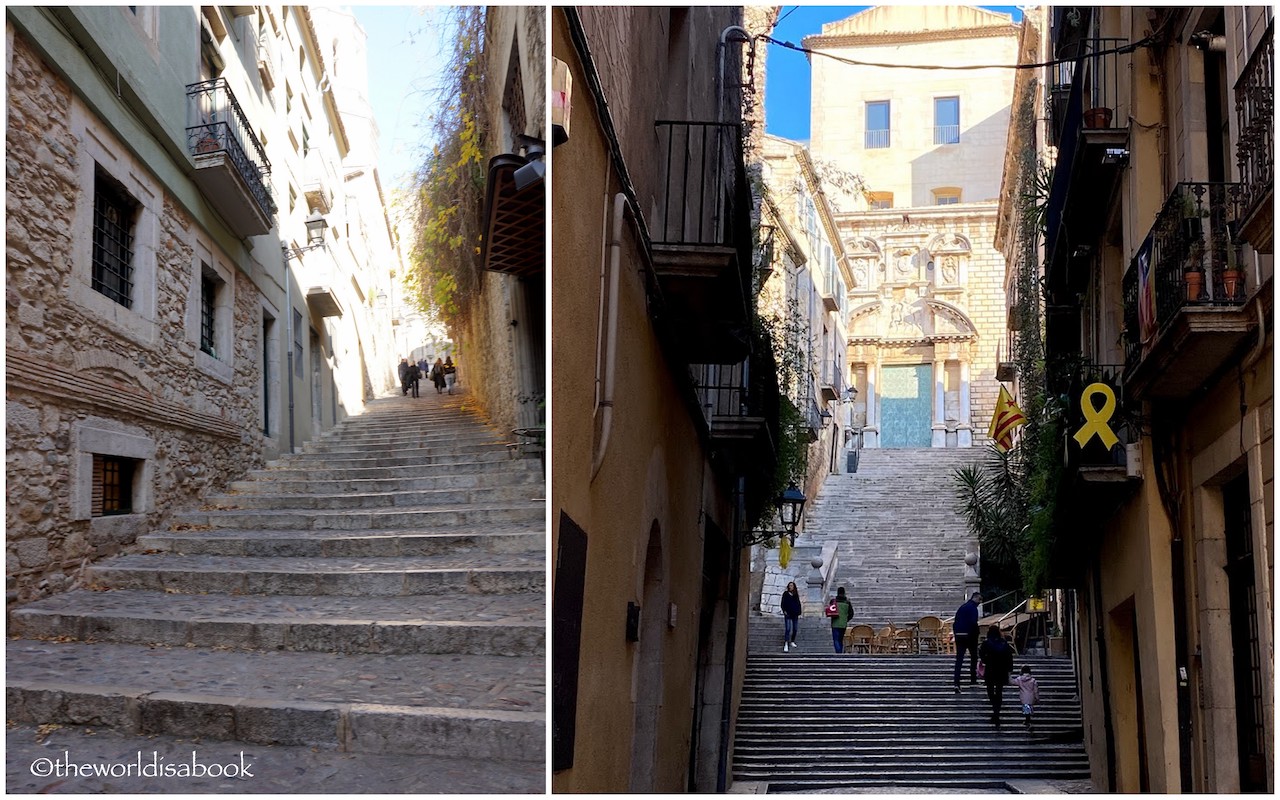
(926,312)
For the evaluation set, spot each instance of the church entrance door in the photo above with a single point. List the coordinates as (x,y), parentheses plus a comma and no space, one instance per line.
(906,406)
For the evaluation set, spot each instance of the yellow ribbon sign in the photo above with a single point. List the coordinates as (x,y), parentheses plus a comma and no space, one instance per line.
(1096,419)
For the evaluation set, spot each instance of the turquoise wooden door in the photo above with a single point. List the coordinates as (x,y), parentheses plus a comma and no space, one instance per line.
(906,406)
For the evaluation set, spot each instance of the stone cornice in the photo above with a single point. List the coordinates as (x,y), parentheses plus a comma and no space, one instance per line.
(24,372)
(828,41)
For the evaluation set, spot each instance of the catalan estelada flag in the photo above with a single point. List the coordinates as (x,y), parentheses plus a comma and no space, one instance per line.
(1007,417)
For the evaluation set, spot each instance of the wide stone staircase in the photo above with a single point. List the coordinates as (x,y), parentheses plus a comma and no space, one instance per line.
(813,722)
(901,542)
(380,593)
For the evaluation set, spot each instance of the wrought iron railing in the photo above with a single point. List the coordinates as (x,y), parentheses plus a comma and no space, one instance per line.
(702,185)
(1255,104)
(217,123)
(745,389)
(946,134)
(1190,257)
(1099,70)
(877,139)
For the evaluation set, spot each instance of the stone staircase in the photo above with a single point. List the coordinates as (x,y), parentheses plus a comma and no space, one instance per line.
(901,542)
(380,593)
(813,722)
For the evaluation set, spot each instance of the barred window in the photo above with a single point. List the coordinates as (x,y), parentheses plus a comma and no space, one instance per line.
(208,293)
(112,485)
(114,215)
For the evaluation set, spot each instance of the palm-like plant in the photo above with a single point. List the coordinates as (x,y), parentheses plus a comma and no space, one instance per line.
(995,500)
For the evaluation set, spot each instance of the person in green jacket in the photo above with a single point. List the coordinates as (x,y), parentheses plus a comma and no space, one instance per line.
(840,621)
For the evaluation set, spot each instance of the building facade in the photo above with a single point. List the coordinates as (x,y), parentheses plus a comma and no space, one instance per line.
(1158,287)
(665,402)
(918,152)
(166,330)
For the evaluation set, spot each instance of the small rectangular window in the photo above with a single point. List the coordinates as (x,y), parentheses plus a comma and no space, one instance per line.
(208,294)
(879,201)
(113,485)
(297,343)
(946,120)
(877,124)
(114,213)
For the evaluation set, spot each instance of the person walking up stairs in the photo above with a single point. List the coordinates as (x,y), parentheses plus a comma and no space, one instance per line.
(367,615)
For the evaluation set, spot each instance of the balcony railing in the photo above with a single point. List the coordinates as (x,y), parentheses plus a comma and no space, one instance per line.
(877,139)
(1255,104)
(946,134)
(701,184)
(1190,257)
(217,124)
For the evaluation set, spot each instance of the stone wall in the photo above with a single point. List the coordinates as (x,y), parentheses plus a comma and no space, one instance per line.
(81,380)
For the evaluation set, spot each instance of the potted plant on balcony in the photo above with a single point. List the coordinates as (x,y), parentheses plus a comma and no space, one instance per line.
(1099,117)
(1192,228)
(1193,277)
(1232,276)
(208,143)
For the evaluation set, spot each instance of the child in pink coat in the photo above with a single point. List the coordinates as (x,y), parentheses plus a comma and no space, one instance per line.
(1028,694)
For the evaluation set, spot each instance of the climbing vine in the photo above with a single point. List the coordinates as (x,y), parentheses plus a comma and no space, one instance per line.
(444,270)
(1009,501)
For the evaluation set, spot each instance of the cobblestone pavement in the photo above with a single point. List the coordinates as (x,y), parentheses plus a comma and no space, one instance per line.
(276,770)
(457,681)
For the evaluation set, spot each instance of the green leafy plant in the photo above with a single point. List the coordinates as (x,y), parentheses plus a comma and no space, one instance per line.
(444,272)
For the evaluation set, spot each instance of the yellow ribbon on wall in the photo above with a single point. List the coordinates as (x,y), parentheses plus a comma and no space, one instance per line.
(784,551)
(1096,419)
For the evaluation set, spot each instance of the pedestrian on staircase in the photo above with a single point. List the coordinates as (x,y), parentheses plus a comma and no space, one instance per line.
(790,615)
(450,373)
(437,374)
(411,377)
(1028,694)
(844,610)
(965,629)
(400,373)
(997,663)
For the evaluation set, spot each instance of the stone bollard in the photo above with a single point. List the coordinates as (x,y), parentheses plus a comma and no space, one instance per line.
(813,593)
(972,580)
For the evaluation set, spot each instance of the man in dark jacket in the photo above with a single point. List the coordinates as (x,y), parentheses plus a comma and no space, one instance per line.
(997,663)
(966,631)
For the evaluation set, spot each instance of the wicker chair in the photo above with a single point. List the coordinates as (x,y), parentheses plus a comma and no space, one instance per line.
(883,641)
(947,639)
(904,641)
(858,639)
(928,634)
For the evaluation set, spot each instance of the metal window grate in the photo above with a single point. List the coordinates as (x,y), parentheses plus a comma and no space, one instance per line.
(113,212)
(877,139)
(208,291)
(112,485)
(946,134)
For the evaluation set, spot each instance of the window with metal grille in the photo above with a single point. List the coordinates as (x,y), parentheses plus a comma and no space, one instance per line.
(208,294)
(877,125)
(112,485)
(946,120)
(114,212)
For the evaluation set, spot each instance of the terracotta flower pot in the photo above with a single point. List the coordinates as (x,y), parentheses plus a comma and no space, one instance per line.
(1097,118)
(1195,284)
(1232,281)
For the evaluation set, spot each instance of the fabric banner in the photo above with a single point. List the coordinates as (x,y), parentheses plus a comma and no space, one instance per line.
(1146,294)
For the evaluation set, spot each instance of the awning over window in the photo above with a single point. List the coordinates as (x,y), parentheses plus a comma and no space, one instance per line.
(515,220)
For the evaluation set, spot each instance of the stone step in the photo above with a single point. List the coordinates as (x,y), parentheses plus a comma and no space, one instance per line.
(272,769)
(507,466)
(464,706)
(503,625)
(345,449)
(461,437)
(348,577)
(352,500)
(512,512)
(348,544)
(392,459)
(475,480)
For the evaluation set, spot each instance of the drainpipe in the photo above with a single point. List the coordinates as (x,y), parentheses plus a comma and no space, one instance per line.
(721,83)
(731,641)
(604,394)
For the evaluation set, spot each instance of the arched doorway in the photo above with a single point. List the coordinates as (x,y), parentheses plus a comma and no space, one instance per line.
(648,669)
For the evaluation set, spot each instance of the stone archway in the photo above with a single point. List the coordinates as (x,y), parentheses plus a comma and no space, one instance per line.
(648,668)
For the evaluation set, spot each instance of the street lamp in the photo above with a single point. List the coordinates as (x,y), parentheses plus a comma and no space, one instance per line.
(316,226)
(790,510)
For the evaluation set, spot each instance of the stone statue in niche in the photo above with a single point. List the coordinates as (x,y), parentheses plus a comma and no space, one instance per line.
(950,270)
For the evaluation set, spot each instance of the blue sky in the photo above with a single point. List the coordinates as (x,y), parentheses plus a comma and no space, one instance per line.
(405,57)
(787,82)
